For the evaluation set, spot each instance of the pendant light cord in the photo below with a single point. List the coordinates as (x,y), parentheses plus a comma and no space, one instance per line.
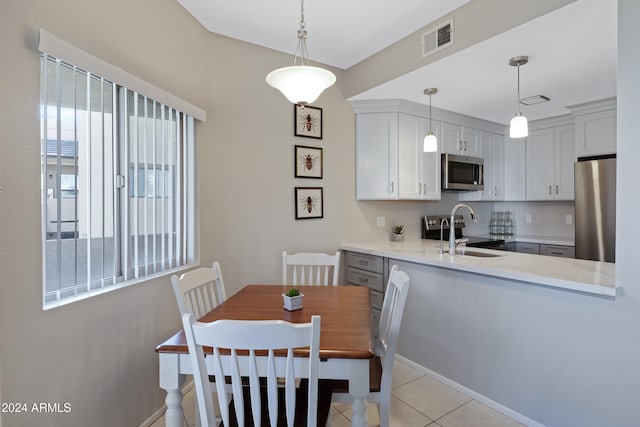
(430,114)
(518,100)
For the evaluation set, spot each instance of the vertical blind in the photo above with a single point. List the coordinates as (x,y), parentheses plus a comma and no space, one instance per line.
(117,181)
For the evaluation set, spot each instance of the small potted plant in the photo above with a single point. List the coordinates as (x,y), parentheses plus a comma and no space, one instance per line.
(397,233)
(292,299)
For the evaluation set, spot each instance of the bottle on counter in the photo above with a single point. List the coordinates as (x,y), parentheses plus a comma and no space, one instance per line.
(508,224)
(500,223)
(493,223)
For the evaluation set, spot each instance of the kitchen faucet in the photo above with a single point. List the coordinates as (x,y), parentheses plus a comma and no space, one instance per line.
(442,222)
(452,234)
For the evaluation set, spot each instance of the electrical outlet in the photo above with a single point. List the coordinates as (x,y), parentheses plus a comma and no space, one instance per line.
(568,219)
(380,221)
(527,218)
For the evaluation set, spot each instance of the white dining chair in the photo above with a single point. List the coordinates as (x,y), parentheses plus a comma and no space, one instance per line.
(381,366)
(306,268)
(263,351)
(200,290)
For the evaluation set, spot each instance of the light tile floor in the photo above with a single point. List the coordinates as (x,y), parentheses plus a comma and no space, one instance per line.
(417,401)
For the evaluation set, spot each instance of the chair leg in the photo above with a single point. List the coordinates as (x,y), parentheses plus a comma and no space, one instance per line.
(384,412)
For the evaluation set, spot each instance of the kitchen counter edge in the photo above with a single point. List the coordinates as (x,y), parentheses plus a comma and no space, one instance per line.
(588,277)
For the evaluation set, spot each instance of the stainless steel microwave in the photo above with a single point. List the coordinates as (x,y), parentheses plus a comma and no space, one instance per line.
(462,173)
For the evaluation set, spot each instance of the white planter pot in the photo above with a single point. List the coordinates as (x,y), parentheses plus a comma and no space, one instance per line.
(397,237)
(292,303)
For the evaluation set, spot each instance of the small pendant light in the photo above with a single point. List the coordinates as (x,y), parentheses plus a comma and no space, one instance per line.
(301,84)
(430,140)
(518,128)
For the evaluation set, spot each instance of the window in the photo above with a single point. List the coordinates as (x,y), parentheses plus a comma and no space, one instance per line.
(117,178)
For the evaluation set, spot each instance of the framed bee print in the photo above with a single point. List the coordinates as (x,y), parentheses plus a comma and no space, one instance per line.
(308,202)
(308,161)
(307,121)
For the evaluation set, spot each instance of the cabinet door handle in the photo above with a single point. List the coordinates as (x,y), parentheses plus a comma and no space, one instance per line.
(495,191)
(419,188)
(363,280)
(364,262)
(424,188)
(465,146)
(557,186)
(392,187)
(550,190)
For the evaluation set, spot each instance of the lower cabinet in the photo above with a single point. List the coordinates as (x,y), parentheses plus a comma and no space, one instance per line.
(370,271)
(558,250)
(542,249)
(524,247)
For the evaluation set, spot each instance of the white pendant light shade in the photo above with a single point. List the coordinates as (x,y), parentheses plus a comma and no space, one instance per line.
(301,84)
(430,143)
(518,128)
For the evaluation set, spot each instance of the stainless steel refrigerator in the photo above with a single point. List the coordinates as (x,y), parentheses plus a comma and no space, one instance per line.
(595,209)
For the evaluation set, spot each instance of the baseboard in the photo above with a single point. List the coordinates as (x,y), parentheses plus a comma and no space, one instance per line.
(470,393)
(160,412)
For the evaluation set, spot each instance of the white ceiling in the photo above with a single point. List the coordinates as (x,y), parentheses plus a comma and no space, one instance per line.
(572,51)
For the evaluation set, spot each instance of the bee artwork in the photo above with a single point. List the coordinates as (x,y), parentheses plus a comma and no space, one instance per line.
(307,121)
(308,162)
(308,202)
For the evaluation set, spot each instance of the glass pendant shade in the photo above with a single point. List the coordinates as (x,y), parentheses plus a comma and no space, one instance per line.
(430,143)
(518,128)
(301,84)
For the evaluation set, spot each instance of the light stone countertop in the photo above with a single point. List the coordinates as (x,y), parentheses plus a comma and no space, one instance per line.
(589,277)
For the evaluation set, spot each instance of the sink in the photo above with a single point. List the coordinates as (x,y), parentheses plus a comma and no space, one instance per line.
(480,254)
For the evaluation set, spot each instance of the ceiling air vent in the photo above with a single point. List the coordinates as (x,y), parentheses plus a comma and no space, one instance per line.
(438,38)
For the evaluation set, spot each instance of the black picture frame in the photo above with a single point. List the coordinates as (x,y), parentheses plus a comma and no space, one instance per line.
(307,121)
(309,202)
(307,162)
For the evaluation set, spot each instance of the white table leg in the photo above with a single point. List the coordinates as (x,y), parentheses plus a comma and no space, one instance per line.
(171,380)
(359,389)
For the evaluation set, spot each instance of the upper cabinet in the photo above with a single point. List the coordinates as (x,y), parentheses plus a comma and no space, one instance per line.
(418,172)
(493,152)
(377,156)
(390,162)
(550,155)
(595,128)
(461,140)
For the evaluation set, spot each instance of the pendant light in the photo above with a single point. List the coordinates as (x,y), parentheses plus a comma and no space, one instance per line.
(430,140)
(301,83)
(518,128)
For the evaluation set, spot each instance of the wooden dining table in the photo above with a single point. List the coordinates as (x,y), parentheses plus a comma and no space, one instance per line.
(346,343)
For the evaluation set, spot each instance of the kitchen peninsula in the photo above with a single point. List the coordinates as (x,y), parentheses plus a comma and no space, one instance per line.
(588,277)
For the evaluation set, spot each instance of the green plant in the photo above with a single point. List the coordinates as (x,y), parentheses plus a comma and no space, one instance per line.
(398,229)
(292,292)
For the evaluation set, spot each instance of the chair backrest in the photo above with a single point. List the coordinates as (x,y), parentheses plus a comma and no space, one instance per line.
(199,291)
(310,268)
(395,298)
(253,336)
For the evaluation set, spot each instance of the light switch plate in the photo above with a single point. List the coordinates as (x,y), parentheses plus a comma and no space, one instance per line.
(527,218)
(568,219)
(380,221)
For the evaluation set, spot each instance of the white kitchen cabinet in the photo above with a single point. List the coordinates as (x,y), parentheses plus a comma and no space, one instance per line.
(377,156)
(493,154)
(461,140)
(419,172)
(595,128)
(390,162)
(515,169)
(550,155)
